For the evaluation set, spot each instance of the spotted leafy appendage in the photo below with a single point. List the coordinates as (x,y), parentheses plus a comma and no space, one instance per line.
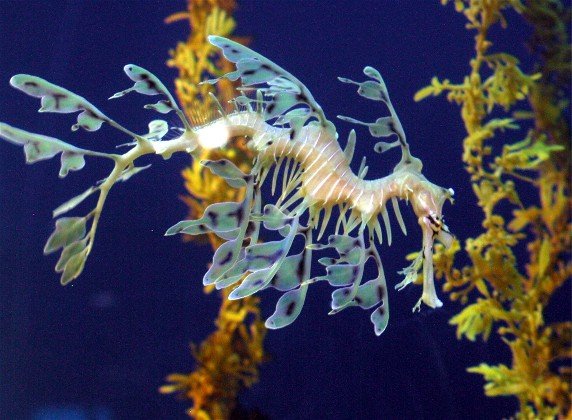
(346,273)
(376,90)
(70,236)
(283,93)
(38,147)
(57,99)
(74,236)
(146,83)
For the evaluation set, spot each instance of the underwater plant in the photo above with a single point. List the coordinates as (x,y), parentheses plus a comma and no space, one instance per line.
(226,361)
(512,295)
(284,125)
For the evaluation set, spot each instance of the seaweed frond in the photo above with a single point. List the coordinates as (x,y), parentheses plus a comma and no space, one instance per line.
(501,292)
(227,361)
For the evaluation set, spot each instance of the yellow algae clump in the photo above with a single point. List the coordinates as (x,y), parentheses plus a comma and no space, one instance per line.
(227,362)
(501,292)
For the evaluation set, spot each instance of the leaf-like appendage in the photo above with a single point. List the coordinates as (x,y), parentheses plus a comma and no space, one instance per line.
(374,90)
(288,308)
(382,127)
(222,262)
(162,107)
(349,248)
(265,254)
(71,161)
(284,90)
(254,282)
(379,319)
(289,275)
(273,218)
(68,252)
(370,293)
(342,298)
(128,173)
(68,230)
(384,146)
(187,227)
(280,103)
(341,274)
(73,267)
(57,99)
(218,217)
(224,216)
(385,126)
(232,276)
(225,169)
(146,83)
(39,147)
(73,202)
(157,130)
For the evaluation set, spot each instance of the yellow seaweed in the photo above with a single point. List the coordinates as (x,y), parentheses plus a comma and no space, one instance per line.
(499,292)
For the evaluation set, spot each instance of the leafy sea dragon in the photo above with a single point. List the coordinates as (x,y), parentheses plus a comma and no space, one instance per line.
(285,127)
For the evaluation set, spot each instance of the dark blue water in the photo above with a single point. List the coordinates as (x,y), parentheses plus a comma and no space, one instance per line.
(101,347)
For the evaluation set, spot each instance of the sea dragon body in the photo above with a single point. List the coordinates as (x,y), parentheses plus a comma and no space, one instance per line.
(285,128)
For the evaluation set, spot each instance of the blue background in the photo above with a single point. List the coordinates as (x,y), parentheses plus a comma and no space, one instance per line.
(101,347)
